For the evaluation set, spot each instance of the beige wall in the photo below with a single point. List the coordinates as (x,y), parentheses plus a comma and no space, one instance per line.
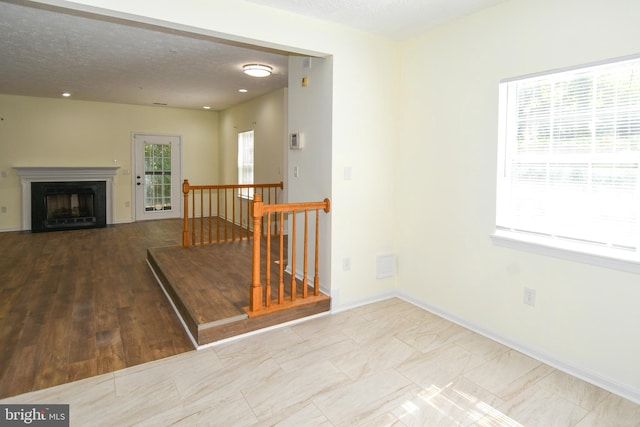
(53,132)
(586,317)
(265,115)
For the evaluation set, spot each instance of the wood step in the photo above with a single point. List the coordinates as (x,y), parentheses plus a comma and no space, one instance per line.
(209,288)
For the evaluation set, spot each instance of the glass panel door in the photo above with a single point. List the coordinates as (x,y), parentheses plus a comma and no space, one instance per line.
(157,176)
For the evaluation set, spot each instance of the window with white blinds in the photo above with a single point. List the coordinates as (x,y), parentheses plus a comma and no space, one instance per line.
(245,162)
(569,155)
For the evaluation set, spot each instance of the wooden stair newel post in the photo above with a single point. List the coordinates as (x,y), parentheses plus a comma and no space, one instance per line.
(185,228)
(255,300)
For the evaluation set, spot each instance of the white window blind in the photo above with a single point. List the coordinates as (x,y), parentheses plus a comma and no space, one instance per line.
(245,162)
(569,156)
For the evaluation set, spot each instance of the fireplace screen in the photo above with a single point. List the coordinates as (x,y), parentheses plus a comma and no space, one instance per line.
(68,205)
(74,207)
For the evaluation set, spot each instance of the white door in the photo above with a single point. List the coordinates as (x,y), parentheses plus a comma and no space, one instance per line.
(157,176)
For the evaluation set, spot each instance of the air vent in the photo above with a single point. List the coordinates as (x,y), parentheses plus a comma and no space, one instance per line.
(385,266)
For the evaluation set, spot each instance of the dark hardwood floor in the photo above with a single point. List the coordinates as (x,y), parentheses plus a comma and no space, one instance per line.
(75,304)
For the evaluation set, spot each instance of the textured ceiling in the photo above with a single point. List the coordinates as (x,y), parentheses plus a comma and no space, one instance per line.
(44,52)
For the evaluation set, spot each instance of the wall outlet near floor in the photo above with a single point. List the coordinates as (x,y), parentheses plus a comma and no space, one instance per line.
(346,264)
(529,297)
(3,209)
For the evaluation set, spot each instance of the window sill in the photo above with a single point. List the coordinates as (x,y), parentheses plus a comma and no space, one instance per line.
(602,257)
(245,197)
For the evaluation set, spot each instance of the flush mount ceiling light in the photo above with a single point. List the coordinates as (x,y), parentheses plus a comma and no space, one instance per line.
(257,70)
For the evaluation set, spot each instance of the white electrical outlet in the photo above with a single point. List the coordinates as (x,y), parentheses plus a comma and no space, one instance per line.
(346,264)
(529,297)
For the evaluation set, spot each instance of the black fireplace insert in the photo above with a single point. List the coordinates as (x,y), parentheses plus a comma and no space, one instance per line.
(68,205)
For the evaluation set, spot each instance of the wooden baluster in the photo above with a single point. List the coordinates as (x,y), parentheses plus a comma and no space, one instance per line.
(316,277)
(249,209)
(201,216)
(240,223)
(233,215)
(185,225)
(193,217)
(255,297)
(278,229)
(281,276)
(267,284)
(293,258)
(255,190)
(210,215)
(217,215)
(304,266)
(269,197)
(226,217)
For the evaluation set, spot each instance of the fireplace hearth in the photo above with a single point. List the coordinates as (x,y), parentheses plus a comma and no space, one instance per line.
(68,205)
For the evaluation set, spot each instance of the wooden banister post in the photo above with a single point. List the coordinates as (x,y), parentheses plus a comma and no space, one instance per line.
(185,227)
(255,298)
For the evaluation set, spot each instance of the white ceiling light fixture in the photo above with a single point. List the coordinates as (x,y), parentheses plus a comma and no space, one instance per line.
(257,70)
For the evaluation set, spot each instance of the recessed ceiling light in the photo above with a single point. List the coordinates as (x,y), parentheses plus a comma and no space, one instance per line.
(257,70)
(66,94)
(243,90)
(206,107)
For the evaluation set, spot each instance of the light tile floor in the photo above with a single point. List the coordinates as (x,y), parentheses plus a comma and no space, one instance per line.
(388,363)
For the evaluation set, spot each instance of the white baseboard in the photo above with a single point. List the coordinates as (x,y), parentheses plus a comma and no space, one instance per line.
(7,229)
(565,366)
(122,221)
(591,377)
(337,307)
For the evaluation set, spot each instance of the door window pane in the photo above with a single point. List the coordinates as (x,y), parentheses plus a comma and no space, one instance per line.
(157,182)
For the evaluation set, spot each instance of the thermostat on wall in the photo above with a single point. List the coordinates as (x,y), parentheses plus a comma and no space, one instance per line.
(295,141)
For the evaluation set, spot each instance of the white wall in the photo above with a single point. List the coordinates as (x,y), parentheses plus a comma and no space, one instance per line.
(586,317)
(310,116)
(64,132)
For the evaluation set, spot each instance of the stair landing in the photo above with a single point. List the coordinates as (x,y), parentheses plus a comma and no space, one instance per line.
(209,288)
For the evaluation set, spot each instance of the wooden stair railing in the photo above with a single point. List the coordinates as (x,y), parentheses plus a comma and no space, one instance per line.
(206,211)
(260,300)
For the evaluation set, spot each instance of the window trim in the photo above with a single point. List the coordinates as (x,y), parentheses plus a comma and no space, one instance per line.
(571,68)
(571,251)
(575,251)
(249,193)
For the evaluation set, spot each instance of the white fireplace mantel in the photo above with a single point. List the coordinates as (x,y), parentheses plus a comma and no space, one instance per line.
(29,174)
